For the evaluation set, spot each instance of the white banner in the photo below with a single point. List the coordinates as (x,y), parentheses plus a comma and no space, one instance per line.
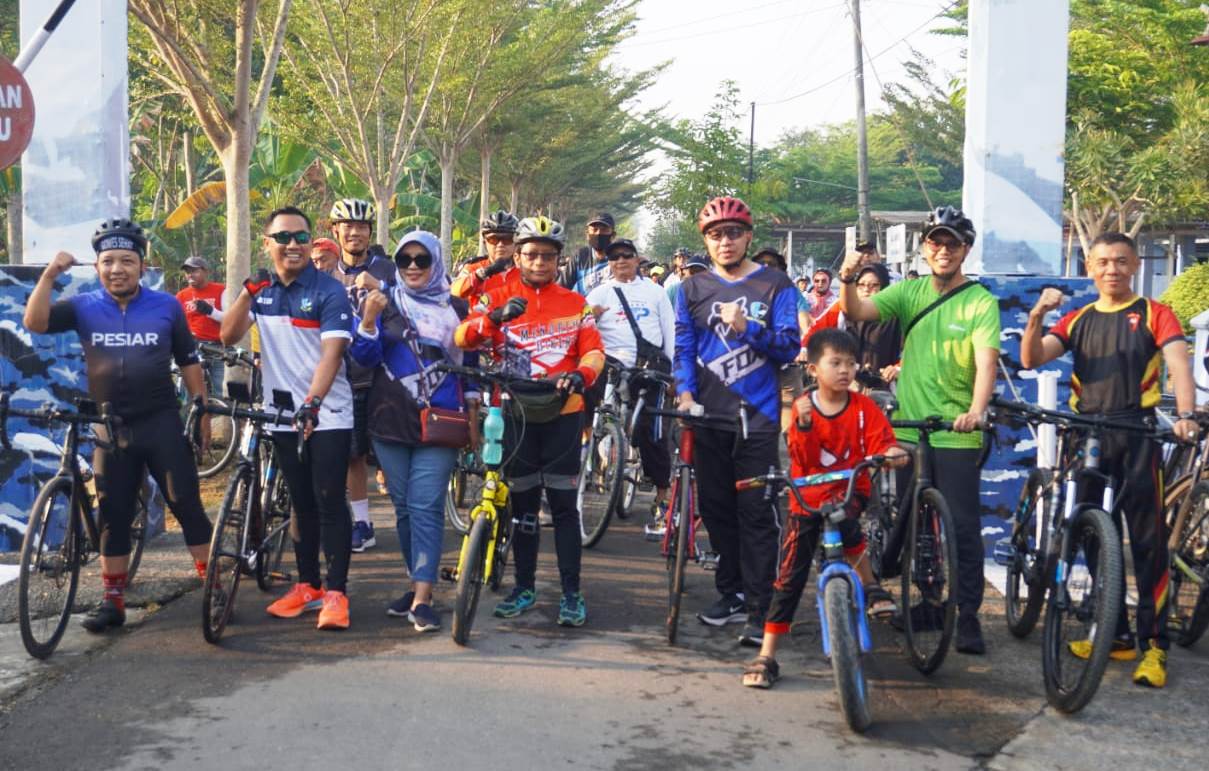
(1015,134)
(896,244)
(76,170)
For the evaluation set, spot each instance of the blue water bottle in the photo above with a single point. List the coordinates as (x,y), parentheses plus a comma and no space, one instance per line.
(493,428)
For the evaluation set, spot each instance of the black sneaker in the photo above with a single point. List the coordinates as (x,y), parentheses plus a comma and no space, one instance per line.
(753,633)
(969,635)
(729,609)
(401,608)
(103,616)
(425,618)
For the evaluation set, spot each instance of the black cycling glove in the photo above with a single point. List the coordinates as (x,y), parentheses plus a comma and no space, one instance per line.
(508,311)
(308,414)
(257,282)
(203,307)
(499,266)
(572,383)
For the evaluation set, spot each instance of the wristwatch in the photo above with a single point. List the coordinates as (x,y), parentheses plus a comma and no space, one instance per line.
(1186,416)
(850,280)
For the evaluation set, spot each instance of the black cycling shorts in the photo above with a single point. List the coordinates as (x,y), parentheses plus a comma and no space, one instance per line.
(361,446)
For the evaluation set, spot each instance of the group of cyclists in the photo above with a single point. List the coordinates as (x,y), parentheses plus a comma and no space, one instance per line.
(358,339)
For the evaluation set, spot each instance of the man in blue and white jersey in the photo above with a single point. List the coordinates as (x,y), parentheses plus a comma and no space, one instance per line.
(305,324)
(735,326)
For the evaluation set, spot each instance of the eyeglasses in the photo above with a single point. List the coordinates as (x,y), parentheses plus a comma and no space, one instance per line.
(948,244)
(621,256)
(869,286)
(733,232)
(423,260)
(497,238)
(284,237)
(544,256)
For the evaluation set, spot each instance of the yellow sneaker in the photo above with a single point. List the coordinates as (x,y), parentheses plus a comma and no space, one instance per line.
(1153,669)
(1122,650)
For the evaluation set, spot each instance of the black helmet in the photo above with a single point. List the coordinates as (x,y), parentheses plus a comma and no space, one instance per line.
(119,233)
(502,221)
(952,220)
(680,252)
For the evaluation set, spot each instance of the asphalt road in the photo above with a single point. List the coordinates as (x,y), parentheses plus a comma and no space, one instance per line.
(528,694)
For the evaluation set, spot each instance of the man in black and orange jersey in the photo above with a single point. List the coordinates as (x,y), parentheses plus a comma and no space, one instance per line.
(492,270)
(1120,343)
(540,329)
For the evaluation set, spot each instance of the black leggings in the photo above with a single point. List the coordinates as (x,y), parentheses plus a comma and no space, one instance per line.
(546,456)
(154,443)
(798,546)
(321,513)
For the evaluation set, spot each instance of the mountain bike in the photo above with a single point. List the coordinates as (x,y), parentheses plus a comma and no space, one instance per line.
(602,465)
(840,595)
(1066,553)
(1186,511)
(250,532)
(63,532)
(679,543)
(636,386)
(484,552)
(465,484)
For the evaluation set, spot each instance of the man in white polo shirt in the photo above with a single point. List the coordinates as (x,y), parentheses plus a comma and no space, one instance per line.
(305,324)
(645,308)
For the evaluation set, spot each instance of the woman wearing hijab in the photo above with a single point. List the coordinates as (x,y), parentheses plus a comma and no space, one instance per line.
(405,333)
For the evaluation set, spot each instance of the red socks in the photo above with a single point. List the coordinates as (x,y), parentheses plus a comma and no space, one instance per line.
(201,569)
(115,587)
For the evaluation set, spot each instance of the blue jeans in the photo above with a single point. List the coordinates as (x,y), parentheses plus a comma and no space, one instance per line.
(417,478)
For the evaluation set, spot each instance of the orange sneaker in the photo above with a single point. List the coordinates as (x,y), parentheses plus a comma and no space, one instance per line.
(334,614)
(298,600)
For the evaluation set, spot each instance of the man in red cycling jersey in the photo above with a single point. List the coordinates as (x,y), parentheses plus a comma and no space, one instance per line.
(539,329)
(492,270)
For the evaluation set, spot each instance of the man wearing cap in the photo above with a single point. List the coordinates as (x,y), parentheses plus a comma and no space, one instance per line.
(325,254)
(589,268)
(694,264)
(791,374)
(821,295)
(202,300)
(950,352)
(870,256)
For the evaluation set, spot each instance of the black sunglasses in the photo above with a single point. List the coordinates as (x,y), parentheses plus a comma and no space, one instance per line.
(621,255)
(284,237)
(423,261)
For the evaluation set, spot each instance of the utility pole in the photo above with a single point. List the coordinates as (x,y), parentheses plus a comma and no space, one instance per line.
(865,221)
(751,149)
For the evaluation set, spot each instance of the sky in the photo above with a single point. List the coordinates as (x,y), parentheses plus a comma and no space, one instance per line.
(793,58)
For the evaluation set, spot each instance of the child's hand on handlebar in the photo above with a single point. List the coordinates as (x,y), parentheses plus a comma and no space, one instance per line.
(897,457)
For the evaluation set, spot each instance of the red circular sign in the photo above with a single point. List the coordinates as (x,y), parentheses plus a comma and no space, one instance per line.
(16,114)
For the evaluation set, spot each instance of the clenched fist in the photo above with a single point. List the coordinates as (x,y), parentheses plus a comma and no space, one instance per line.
(375,303)
(61,263)
(1051,299)
(733,316)
(366,281)
(852,263)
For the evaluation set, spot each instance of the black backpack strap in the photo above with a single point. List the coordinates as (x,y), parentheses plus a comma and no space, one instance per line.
(629,315)
(944,298)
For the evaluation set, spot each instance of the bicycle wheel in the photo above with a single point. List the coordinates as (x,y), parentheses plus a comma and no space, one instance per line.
(138,536)
(678,557)
(226,554)
(1082,607)
(455,498)
(1189,569)
(470,578)
(629,482)
(928,581)
(224,440)
(50,568)
(846,663)
(276,534)
(1024,595)
(503,544)
(600,479)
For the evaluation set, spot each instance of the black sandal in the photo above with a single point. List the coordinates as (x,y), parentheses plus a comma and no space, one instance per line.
(879,602)
(765,670)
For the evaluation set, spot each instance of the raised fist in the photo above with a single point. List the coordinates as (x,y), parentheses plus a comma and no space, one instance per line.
(1051,299)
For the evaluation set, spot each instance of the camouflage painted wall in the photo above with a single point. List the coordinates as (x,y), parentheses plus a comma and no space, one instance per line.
(38,369)
(1014,453)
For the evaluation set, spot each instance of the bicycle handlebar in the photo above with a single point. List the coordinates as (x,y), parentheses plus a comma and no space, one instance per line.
(51,414)
(1034,414)
(230,356)
(834,509)
(935,423)
(499,378)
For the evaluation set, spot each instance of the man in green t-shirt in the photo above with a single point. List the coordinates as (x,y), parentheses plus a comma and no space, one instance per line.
(949,359)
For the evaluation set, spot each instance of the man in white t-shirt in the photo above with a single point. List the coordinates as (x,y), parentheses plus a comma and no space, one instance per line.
(652,313)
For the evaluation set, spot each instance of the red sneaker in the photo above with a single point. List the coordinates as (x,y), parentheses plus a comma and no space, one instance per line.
(334,614)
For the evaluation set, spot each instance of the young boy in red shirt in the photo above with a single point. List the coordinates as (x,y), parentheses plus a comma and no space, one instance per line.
(834,430)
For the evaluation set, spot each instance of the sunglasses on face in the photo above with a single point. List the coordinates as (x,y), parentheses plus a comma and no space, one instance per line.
(423,260)
(733,232)
(497,239)
(614,256)
(869,286)
(284,237)
(544,256)
(948,243)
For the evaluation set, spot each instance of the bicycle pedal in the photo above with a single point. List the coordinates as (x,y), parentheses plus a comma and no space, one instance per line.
(449,574)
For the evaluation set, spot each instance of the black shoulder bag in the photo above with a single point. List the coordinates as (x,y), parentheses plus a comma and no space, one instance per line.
(650,356)
(939,301)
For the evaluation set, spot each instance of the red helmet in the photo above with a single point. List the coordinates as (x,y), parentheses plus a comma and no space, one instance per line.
(724,209)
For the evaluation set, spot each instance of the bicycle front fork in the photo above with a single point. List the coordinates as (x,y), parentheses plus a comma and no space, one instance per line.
(841,571)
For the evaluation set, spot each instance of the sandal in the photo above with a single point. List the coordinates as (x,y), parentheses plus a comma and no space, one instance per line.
(761,672)
(879,602)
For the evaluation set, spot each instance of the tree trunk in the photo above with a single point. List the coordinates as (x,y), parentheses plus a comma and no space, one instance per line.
(13,234)
(514,196)
(448,161)
(187,161)
(381,195)
(484,190)
(239,216)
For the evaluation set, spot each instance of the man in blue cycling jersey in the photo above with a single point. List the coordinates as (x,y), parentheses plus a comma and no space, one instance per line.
(735,326)
(130,335)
